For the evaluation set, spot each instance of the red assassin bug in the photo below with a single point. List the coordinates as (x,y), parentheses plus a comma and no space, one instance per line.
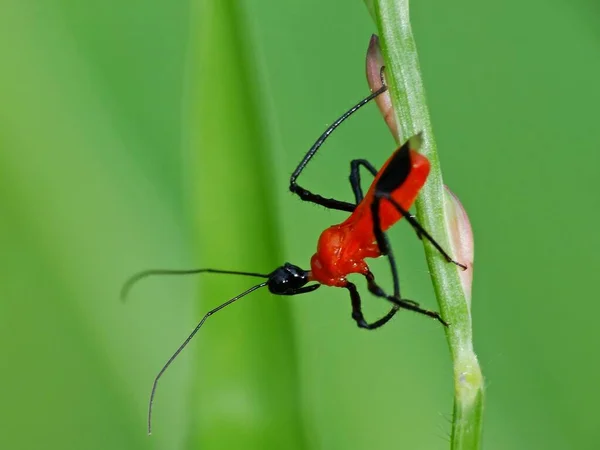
(342,248)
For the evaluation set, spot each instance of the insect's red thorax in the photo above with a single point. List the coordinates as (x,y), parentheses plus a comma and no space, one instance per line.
(340,253)
(342,248)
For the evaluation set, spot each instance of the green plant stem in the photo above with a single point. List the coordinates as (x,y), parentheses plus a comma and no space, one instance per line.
(408,97)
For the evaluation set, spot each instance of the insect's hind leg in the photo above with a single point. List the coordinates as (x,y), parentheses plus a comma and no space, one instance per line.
(355,165)
(357,314)
(421,232)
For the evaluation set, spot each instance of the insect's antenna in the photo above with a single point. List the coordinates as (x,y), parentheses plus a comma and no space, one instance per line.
(189,338)
(149,273)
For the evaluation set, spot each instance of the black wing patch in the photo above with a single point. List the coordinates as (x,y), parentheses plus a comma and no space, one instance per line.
(397,171)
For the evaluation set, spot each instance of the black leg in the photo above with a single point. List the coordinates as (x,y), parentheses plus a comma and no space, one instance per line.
(302,290)
(385,249)
(384,244)
(305,194)
(421,232)
(355,177)
(329,203)
(357,314)
(411,305)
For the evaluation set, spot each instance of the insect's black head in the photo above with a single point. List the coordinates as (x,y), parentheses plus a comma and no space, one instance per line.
(287,279)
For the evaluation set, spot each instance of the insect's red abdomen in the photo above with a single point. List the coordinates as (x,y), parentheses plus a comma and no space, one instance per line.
(342,248)
(406,194)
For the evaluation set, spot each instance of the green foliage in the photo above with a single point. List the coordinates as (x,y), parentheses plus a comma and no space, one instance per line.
(94,186)
(413,117)
(259,409)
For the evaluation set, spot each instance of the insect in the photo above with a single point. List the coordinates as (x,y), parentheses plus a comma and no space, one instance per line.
(342,248)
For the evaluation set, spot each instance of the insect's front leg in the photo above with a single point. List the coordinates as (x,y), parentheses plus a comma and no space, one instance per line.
(411,305)
(357,314)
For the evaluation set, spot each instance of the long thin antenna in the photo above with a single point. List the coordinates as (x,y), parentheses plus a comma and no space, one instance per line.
(148,273)
(189,338)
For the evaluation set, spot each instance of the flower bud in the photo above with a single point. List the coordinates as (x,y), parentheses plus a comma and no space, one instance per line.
(461,239)
(374,74)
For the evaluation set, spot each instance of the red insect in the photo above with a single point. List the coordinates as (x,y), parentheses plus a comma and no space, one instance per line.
(342,249)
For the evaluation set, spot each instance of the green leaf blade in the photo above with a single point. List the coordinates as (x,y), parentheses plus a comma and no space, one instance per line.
(246,389)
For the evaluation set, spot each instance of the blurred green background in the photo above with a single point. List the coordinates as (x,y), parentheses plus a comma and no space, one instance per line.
(146,134)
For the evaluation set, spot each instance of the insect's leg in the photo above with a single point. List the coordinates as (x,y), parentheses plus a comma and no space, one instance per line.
(376,290)
(305,194)
(385,249)
(355,176)
(384,244)
(329,203)
(357,314)
(421,232)
(302,290)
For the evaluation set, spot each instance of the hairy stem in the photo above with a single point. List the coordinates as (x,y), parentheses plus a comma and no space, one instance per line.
(412,117)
